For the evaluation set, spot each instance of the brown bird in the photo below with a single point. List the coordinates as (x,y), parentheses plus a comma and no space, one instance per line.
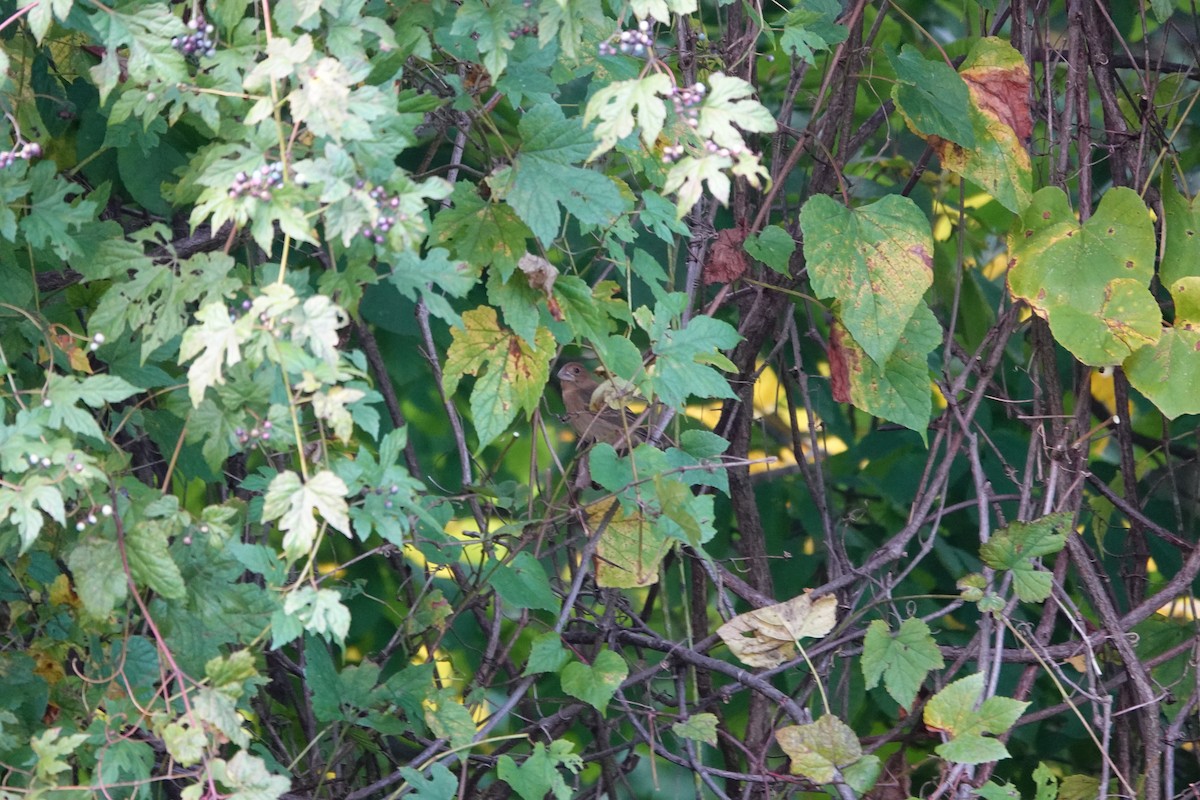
(591,417)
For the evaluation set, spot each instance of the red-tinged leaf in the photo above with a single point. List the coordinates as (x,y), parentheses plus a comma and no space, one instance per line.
(726,258)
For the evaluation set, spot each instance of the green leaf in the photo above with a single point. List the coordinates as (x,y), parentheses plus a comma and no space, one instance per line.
(220,712)
(662,9)
(1078,787)
(511,374)
(1046,783)
(315,325)
(566,21)
(217,340)
(449,719)
(51,749)
(932,97)
(1162,9)
(248,778)
(862,775)
(328,105)
(23,504)
(772,246)
(728,103)
(185,742)
(1088,281)
(99,575)
(52,214)
(686,516)
(415,275)
(810,27)
(228,673)
(539,775)
(1012,548)
(522,583)
(319,611)
(545,175)
(546,654)
(481,232)
(876,261)
(900,391)
(953,710)
(1166,371)
(440,785)
(150,560)
(63,392)
(818,750)
(623,106)
(684,356)
(698,728)
(283,56)
(292,501)
(489,26)
(996,791)
(595,684)
(903,660)
(689,175)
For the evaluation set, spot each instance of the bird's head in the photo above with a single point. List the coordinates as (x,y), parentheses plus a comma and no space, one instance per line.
(571,372)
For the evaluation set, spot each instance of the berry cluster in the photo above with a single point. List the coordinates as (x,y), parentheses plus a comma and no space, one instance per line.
(389,214)
(686,101)
(199,42)
(528,29)
(96,341)
(91,518)
(631,43)
(378,490)
(44,461)
(259,433)
(26,151)
(258,183)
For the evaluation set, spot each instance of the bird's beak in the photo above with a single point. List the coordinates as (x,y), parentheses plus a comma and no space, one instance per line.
(564,374)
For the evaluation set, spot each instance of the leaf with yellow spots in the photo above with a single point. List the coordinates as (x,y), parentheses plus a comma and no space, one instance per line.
(630,548)
(876,261)
(1089,281)
(510,373)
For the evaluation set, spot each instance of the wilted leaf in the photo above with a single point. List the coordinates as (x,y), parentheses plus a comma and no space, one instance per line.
(726,258)
(774,630)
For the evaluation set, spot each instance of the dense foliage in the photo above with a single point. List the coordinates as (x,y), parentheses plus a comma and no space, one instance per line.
(898,296)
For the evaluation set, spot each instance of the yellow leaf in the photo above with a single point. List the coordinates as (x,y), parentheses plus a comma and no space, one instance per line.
(774,630)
